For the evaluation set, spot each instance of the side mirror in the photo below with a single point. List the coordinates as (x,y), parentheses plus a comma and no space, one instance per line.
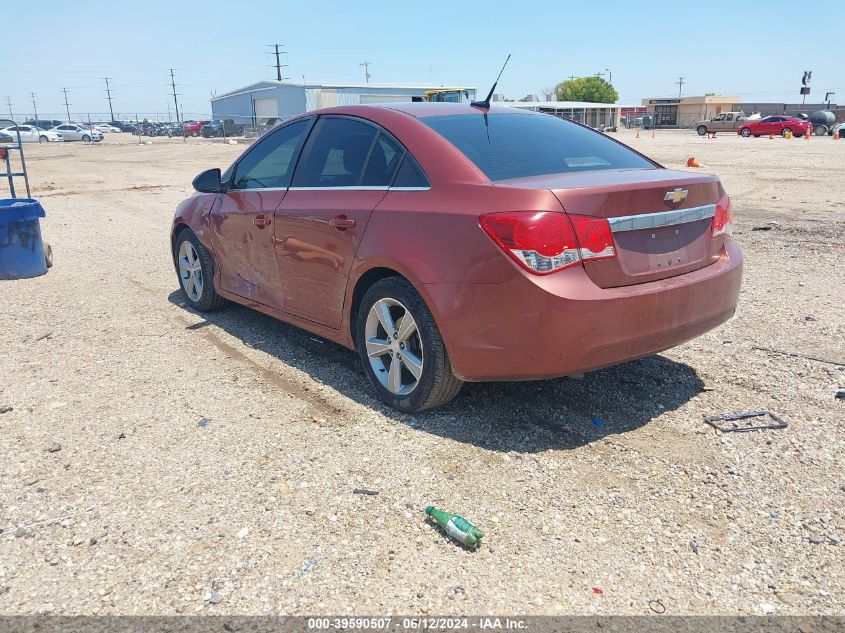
(208,181)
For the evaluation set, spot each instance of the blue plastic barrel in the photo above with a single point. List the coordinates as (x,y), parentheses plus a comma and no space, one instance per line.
(21,248)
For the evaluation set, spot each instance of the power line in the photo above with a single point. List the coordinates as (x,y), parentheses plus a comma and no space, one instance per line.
(366,67)
(680,84)
(108,93)
(175,102)
(67,105)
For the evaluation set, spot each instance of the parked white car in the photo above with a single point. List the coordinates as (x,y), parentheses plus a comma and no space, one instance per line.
(74,132)
(105,128)
(32,134)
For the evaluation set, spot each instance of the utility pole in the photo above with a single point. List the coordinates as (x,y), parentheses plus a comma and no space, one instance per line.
(680,83)
(175,102)
(34,107)
(366,67)
(9,103)
(429,74)
(108,93)
(571,77)
(279,64)
(67,105)
(609,75)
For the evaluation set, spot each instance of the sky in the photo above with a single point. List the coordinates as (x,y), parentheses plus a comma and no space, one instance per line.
(757,52)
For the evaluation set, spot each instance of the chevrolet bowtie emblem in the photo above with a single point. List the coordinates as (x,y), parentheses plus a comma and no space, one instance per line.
(676,196)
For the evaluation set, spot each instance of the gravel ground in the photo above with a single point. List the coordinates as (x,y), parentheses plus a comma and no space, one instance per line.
(159,462)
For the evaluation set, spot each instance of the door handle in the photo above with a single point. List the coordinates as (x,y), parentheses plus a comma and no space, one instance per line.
(342,223)
(261,220)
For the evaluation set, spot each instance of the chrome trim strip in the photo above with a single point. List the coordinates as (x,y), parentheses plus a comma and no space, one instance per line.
(661,218)
(410,188)
(351,188)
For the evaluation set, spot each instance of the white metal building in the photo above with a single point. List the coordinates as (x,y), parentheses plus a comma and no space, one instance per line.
(258,102)
(586,112)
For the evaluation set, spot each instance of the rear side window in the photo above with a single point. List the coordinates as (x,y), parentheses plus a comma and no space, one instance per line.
(336,155)
(271,161)
(520,145)
(383,161)
(410,174)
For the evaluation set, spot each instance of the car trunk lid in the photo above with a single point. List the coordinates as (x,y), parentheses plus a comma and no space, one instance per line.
(660,219)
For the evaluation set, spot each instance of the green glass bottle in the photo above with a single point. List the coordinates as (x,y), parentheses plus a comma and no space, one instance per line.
(457,527)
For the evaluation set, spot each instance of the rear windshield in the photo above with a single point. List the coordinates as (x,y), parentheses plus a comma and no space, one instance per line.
(521,145)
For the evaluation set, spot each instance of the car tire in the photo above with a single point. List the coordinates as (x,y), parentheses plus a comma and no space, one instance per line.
(820,131)
(86,138)
(422,348)
(194,134)
(785,132)
(195,270)
(702,130)
(745,132)
(43,139)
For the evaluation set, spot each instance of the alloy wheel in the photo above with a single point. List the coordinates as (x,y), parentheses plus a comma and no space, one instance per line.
(394,346)
(190,271)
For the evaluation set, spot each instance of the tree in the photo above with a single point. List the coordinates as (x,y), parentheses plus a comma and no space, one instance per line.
(593,89)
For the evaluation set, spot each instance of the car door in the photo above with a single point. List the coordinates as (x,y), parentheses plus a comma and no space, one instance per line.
(242,226)
(68,132)
(344,172)
(28,133)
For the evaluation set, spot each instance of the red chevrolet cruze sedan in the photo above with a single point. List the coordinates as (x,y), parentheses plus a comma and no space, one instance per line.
(449,243)
(781,125)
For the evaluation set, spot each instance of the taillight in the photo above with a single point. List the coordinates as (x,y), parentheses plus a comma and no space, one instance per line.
(723,221)
(545,242)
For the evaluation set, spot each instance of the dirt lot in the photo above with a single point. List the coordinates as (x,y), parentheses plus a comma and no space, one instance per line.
(114,499)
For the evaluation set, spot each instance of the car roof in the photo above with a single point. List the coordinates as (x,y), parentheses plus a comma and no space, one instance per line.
(425,108)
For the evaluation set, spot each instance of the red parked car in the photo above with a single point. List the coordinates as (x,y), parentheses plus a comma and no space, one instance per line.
(448,243)
(193,128)
(780,124)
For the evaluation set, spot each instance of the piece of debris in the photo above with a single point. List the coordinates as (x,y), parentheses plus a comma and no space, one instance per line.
(204,422)
(456,527)
(54,447)
(308,566)
(5,409)
(598,591)
(840,395)
(657,606)
(242,532)
(46,335)
(598,422)
(364,491)
(214,598)
(765,227)
(797,355)
(816,539)
(693,546)
(712,420)
(810,317)
(708,388)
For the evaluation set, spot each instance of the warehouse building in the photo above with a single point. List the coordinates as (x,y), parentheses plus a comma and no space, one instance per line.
(257,103)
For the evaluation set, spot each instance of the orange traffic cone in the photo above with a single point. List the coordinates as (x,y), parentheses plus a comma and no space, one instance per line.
(836,136)
(806,136)
(638,134)
(652,135)
(691,162)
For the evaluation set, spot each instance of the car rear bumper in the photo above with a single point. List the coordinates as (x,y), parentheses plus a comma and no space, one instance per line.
(544,327)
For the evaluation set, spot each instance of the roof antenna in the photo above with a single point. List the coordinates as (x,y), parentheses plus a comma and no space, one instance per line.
(486,103)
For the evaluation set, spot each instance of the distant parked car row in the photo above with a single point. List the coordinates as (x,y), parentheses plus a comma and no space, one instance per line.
(31,134)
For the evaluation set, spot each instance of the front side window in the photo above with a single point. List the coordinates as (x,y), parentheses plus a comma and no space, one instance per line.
(336,154)
(517,145)
(270,163)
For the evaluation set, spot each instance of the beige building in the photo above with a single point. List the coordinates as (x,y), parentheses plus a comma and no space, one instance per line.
(685,111)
